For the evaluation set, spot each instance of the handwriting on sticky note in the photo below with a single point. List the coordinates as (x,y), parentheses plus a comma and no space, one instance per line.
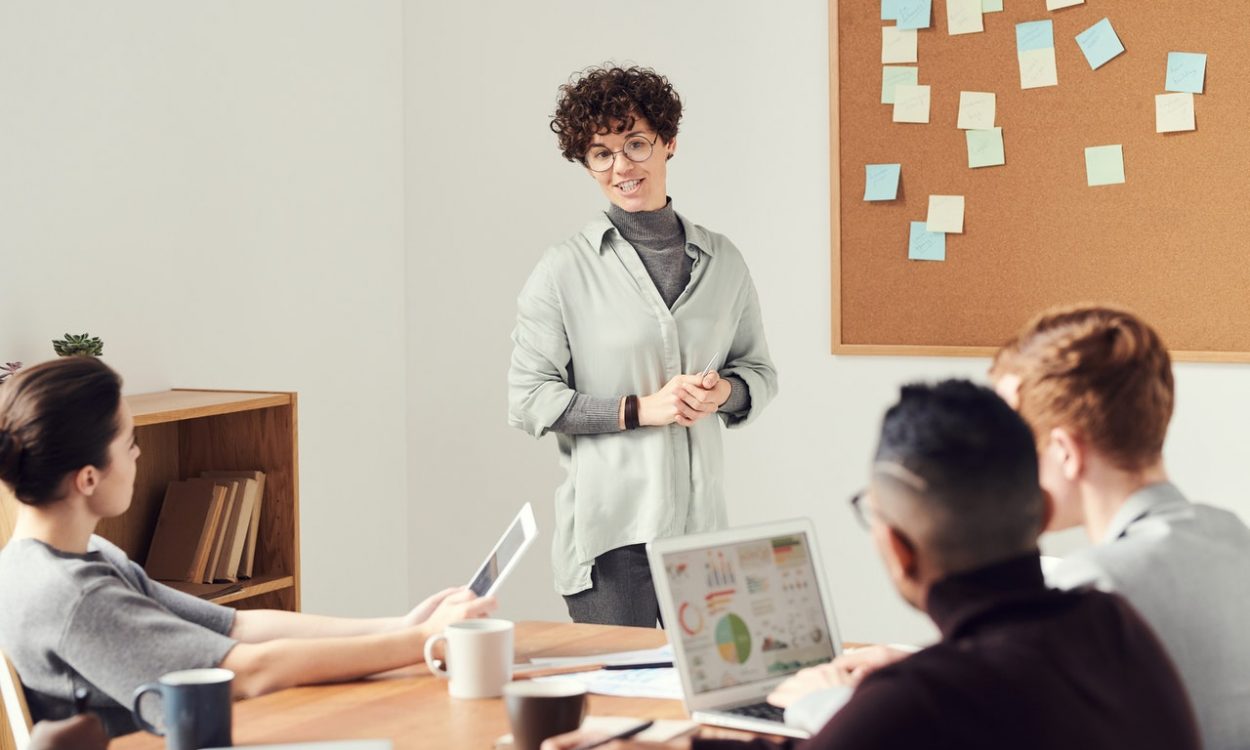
(914,14)
(1186,72)
(1038,69)
(1035,35)
(898,45)
(1104,165)
(964,17)
(911,103)
(1099,43)
(985,148)
(925,245)
(976,110)
(893,76)
(881,182)
(946,214)
(1174,113)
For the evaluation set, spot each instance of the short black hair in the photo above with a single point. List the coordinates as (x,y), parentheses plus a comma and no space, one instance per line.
(980,501)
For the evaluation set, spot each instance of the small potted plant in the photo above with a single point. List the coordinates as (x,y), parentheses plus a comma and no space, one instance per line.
(81,345)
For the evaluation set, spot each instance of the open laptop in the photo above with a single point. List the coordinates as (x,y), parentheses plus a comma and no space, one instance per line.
(744,609)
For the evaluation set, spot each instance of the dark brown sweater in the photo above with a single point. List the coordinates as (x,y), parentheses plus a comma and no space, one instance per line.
(1019,666)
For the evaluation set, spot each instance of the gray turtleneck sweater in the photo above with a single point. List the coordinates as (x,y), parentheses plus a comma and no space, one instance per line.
(660,242)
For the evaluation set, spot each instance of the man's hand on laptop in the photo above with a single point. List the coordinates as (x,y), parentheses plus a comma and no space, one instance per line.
(848,670)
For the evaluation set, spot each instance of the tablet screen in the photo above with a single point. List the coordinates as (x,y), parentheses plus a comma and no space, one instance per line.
(508,547)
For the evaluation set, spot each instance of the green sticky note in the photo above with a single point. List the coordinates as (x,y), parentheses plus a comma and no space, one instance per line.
(985,148)
(991,6)
(1104,165)
(893,75)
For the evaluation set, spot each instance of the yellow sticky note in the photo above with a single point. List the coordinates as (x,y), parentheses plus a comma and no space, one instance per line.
(976,110)
(898,45)
(964,17)
(946,214)
(1174,113)
(1037,68)
(911,103)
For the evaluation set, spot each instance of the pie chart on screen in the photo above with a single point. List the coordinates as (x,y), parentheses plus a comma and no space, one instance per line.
(733,639)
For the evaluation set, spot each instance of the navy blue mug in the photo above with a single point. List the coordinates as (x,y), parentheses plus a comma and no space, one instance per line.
(196,708)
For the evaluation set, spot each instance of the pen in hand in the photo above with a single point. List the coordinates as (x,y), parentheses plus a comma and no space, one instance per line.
(708,369)
(640,727)
(81,696)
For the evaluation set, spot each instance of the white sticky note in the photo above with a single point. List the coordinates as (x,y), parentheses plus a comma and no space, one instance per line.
(898,45)
(1104,165)
(1057,4)
(911,103)
(946,214)
(976,110)
(1174,113)
(1037,68)
(992,6)
(964,17)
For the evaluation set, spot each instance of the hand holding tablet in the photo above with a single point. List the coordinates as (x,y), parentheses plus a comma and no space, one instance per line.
(507,551)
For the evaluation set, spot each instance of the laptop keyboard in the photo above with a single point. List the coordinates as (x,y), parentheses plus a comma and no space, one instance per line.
(761,710)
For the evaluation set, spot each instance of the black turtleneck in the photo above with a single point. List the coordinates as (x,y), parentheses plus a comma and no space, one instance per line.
(1019,666)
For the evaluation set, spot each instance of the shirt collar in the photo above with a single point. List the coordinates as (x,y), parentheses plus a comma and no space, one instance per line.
(596,233)
(962,601)
(1149,499)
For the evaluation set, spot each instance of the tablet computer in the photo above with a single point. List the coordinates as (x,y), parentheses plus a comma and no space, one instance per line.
(503,558)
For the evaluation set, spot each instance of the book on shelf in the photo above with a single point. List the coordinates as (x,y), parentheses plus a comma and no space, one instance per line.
(182,540)
(222,530)
(247,557)
(227,569)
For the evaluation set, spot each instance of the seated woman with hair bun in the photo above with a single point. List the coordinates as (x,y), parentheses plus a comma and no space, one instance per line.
(75,612)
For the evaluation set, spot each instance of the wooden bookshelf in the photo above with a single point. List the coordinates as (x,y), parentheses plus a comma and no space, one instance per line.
(184,432)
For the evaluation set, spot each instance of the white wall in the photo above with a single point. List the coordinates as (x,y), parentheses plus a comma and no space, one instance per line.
(216,190)
(488,191)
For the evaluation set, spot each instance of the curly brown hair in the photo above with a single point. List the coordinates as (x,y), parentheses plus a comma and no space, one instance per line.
(607,99)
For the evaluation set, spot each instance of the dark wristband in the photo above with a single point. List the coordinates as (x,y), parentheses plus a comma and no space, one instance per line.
(631,412)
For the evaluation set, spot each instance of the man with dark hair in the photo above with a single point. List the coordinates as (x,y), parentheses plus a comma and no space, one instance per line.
(954,509)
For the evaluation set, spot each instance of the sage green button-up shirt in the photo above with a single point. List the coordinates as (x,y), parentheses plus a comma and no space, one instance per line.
(590,320)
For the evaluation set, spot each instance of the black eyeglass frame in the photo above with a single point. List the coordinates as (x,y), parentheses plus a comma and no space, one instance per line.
(650,150)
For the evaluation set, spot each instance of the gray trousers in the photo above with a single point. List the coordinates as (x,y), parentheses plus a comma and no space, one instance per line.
(621,591)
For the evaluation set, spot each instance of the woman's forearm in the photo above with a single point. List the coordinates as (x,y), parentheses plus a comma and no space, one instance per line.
(259,625)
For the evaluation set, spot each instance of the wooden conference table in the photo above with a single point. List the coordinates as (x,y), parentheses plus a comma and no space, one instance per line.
(411,707)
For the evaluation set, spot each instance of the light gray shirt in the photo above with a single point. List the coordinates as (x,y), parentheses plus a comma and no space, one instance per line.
(97,621)
(591,320)
(1186,568)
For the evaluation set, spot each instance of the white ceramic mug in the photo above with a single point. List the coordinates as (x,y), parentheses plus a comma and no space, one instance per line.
(478,659)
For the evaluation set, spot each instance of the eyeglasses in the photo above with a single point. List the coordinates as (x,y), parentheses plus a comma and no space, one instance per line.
(637,148)
(861,514)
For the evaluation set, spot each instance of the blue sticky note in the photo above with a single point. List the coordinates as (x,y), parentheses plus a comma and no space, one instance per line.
(1099,43)
(925,245)
(914,14)
(1186,72)
(1035,35)
(893,75)
(882,182)
(889,10)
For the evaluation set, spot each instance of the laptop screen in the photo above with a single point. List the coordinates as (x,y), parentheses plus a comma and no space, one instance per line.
(747,611)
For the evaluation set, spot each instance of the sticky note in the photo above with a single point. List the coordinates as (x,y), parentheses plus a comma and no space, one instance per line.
(898,45)
(1186,72)
(1034,35)
(1104,165)
(991,6)
(881,183)
(1174,113)
(946,214)
(1057,4)
(985,148)
(964,17)
(911,103)
(976,110)
(1037,68)
(894,75)
(889,10)
(914,14)
(1099,43)
(925,245)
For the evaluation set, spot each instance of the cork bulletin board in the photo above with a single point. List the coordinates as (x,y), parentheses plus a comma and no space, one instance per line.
(1170,243)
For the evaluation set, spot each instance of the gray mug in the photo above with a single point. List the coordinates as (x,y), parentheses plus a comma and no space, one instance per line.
(196,708)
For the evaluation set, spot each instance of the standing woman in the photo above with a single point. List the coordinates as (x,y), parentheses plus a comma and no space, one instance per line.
(615,328)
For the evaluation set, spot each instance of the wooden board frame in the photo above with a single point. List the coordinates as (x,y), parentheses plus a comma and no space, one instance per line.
(838,345)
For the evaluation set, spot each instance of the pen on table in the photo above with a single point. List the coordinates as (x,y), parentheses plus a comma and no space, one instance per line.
(640,727)
(639,665)
(81,696)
